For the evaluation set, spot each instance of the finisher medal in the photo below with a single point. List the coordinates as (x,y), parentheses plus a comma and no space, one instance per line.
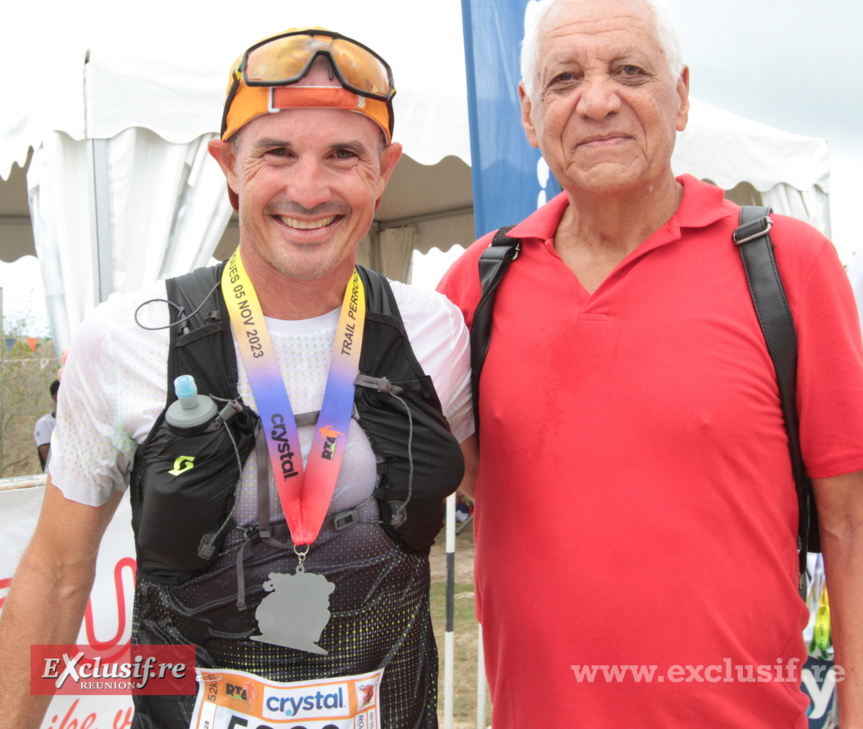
(296,611)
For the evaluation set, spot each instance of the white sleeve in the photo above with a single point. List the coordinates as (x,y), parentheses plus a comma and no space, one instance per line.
(441,343)
(113,388)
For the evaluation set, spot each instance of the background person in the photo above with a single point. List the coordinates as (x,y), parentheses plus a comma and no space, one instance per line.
(45,427)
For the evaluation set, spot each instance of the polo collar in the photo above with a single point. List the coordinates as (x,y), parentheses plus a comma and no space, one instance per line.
(702,205)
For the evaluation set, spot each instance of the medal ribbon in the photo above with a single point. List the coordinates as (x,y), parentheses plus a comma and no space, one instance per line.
(305,494)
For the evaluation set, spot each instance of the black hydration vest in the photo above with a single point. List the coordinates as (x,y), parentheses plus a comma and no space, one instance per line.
(183,487)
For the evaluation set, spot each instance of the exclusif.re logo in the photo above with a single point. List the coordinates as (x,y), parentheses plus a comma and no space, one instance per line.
(152,670)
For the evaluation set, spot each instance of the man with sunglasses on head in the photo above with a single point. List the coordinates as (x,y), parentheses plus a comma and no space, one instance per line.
(314,593)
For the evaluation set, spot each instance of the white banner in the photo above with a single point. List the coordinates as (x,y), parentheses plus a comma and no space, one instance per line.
(108,620)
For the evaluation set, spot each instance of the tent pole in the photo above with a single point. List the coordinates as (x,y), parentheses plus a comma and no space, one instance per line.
(828,220)
(104,264)
(449,632)
(376,258)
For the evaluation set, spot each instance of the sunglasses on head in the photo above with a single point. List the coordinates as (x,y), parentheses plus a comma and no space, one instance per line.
(287,58)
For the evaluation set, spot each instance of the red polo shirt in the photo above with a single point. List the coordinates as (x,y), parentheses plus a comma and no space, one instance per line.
(635,504)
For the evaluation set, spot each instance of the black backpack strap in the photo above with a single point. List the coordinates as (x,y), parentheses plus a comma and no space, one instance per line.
(777,324)
(201,341)
(420,462)
(383,311)
(492,265)
(201,345)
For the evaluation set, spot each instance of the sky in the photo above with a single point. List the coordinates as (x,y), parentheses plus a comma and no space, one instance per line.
(790,64)
(23,298)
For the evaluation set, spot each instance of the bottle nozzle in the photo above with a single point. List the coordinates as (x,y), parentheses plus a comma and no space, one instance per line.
(187,391)
(191,409)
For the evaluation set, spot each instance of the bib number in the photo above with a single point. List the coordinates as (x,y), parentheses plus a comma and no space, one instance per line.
(240,700)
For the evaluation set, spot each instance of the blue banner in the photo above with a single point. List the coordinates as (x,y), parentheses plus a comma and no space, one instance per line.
(510,178)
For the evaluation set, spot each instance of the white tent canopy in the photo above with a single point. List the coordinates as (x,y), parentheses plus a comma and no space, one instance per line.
(115,128)
(86,186)
(760,164)
(122,191)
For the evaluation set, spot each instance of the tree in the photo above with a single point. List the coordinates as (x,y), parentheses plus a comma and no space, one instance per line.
(25,378)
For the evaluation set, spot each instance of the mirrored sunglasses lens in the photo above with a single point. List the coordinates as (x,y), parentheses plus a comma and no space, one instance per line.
(360,68)
(281,59)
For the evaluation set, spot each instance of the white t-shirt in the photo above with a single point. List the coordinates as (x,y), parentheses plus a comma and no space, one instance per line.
(44,427)
(115,377)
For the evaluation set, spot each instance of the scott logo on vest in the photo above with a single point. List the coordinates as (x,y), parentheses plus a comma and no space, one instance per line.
(182,464)
(331,437)
(279,433)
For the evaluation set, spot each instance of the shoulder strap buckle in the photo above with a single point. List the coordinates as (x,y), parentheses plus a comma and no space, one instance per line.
(502,246)
(345,519)
(752,230)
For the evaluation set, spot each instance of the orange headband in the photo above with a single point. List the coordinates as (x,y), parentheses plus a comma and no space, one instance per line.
(252,101)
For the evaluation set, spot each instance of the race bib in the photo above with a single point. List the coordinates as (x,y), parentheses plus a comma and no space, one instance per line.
(240,700)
